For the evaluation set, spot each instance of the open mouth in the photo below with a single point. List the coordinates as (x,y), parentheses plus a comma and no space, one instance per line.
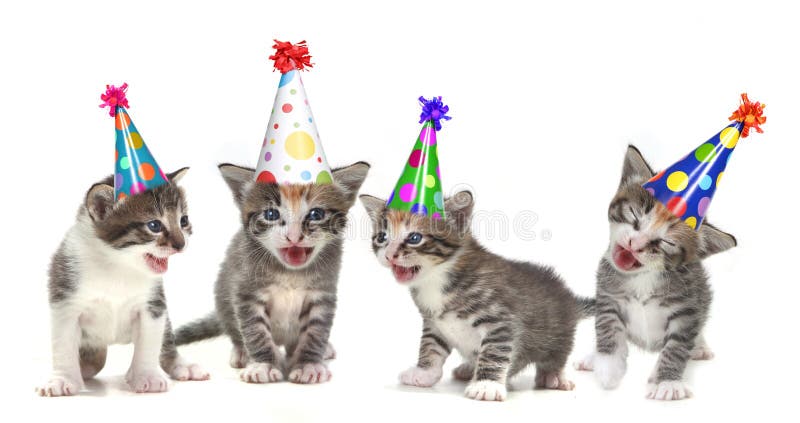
(624,259)
(404,274)
(156,264)
(295,256)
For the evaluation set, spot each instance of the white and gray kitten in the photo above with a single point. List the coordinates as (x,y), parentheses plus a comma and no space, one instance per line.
(652,289)
(501,315)
(106,288)
(277,285)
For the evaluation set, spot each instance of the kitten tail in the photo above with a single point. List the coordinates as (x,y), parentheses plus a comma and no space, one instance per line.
(586,307)
(204,328)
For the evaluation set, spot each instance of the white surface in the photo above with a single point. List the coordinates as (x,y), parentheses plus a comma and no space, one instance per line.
(544,101)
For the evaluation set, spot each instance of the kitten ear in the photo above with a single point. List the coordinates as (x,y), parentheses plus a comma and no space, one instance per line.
(177,175)
(350,178)
(458,209)
(99,201)
(713,241)
(635,167)
(237,178)
(374,206)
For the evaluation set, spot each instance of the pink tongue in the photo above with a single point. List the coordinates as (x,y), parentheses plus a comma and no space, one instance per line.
(403,274)
(296,255)
(624,259)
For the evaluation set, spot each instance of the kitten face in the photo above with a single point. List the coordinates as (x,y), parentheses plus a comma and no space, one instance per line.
(412,245)
(143,230)
(645,235)
(294,222)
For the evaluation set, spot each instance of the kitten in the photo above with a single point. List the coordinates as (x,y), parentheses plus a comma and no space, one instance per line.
(277,285)
(652,289)
(106,288)
(501,315)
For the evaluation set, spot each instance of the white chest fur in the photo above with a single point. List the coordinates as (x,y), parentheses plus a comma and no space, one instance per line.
(647,319)
(286,300)
(460,334)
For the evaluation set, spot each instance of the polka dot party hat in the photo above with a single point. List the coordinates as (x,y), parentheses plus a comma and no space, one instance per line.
(419,189)
(135,168)
(688,186)
(291,151)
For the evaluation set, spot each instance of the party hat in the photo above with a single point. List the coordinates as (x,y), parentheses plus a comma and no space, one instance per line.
(419,189)
(292,151)
(135,168)
(687,187)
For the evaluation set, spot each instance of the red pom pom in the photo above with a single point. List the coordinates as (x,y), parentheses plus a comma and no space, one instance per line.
(113,97)
(290,56)
(752,114)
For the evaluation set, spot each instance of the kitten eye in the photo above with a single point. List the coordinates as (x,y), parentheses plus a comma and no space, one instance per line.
(184,221)
(316,214)
(155,226)
(635,219)
(414,238)
(381,237)
(272,214)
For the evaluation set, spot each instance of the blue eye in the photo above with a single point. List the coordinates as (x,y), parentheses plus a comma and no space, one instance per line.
(316,214)
(381,237)
(414,238)
(155,226)
(272,214)
(184,221)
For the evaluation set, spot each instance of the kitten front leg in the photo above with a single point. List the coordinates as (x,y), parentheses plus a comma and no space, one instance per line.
(433,351)
(610,360)
(65,339)
(316,318)
(492,365)
(175,365)
(145,374)
(666,381)
(256,331)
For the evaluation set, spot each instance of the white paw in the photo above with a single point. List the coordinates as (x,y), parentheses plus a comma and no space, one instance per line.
(416,376)
(609,369)
(60,386)
(702,352)
(310,373)
(668,390)
(238,358)
(486,390)
(188,371)
(585,365)
(261,373)
(142,381)
(553,380)
(464,372)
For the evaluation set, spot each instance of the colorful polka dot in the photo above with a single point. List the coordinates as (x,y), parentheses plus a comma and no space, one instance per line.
(268,156)
(121,196)
(729,137)
(297,125)
(438,199)
(146,171)
(705,153)
(428,136)
(299,145)
(419,208)
(287,168)
(138,188)
(651,190)
(118,181)
(319,159)
(705,182)
(306,175)
(122,120)
(677,181)
(691,221)
(430,181)
(272,141)
(124,163)
(702,206)
(719,177)
(309,120)
(293,91)
(416,158)
(275,126)
(324,177)
(437,216)
(677,206)
(408,193)
(266,177)
(163,176)
(286,108)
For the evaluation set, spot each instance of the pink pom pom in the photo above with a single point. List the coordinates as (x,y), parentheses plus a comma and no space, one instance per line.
(113,97)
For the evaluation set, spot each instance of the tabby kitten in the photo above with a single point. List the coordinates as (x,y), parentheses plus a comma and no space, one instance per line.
(277,285)
(106,288)
(501,315)
(652,289)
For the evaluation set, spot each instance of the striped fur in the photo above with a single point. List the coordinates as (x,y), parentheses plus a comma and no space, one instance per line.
(262,301)
(501,315)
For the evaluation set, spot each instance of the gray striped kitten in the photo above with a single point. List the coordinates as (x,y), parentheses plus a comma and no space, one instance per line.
(106,288)
(501,315)
(652,289)
(277,285)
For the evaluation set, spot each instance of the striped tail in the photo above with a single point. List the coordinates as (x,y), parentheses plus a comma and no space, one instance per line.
(205,328)
(586,307)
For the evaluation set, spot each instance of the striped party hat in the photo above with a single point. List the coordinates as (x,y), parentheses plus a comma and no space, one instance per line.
(135,168)
(687,187)
(419,189)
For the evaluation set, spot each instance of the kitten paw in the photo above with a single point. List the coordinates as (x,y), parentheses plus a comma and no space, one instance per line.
(668,390)
(609,370)
(330,353)
(702,352)
(142,381)
(184,371)
(553,380)
(464,372)
(238,358)
(585,365)
(486,390)
(59,386)
(310,373)
(416,376)
(261,373)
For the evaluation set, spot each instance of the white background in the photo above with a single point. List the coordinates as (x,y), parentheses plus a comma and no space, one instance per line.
(544,101)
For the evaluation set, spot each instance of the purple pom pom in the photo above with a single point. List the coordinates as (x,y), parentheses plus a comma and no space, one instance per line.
(434,110)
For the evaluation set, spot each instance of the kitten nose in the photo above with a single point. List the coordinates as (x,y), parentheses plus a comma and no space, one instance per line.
(178,244)
(637,243)
(295,238)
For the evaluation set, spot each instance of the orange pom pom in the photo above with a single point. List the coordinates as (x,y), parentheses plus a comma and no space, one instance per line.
(751,114)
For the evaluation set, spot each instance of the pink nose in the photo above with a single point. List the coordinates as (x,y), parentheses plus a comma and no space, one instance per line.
(637,243)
